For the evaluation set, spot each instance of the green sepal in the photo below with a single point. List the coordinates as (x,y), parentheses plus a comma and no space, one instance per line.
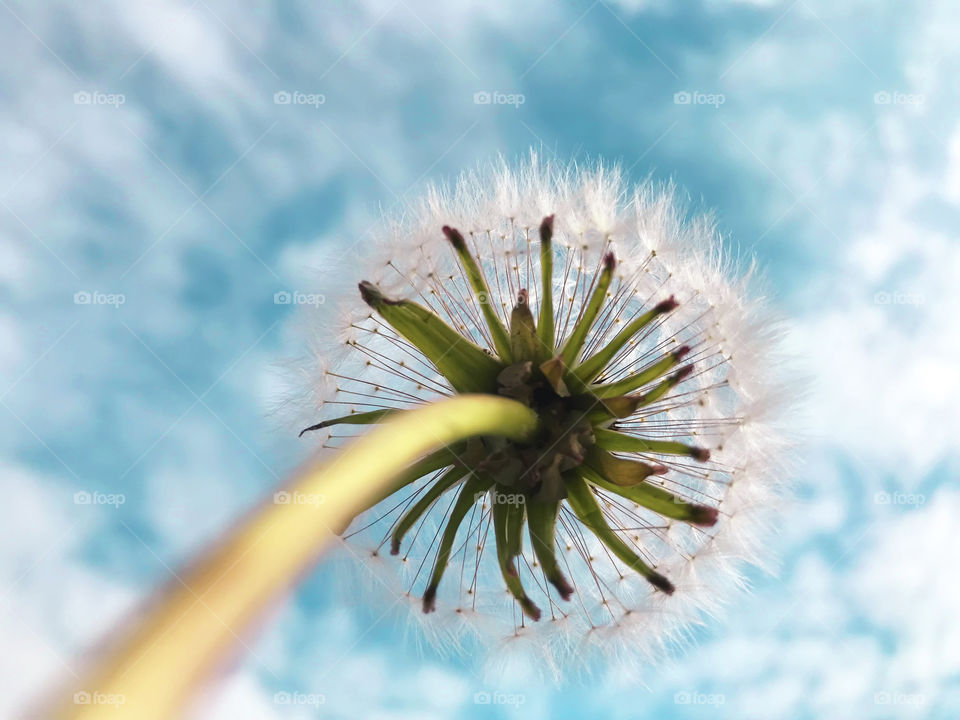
(542,527)
(590,369)
(659,391)
(443,483)
(545,326)
(501,340)
(508,533)
(570,352)
(616,408)
(621,442)
(660,501)
(516,517)
(471,489)
(464,364)
(620,471)
(586,508)
(524,343)
(364,418)
(638,380)
(607,410)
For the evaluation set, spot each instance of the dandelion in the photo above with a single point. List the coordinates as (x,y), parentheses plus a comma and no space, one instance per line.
(568,444)
(614,318)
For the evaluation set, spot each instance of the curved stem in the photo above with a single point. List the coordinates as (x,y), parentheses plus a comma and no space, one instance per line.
(194,625)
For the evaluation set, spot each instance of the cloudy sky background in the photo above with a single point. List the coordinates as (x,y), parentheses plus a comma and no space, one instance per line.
(834,159)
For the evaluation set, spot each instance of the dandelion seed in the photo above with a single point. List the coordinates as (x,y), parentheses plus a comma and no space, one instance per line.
(616,319)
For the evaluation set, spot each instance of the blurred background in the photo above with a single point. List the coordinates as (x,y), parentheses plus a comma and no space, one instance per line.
(178,174)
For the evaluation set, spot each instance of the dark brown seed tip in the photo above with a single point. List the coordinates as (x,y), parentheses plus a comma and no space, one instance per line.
(681,351)
(681,374)
(609,262)
(658,470)
(371,294)
(700,454)
(522,297)
(661,583)
(395,546)
(455,238)
(430,599)
(666,305)
(562,586)
(529,609)
(703,515)
(546,229)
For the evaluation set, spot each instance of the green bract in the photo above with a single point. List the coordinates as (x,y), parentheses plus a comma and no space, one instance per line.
(572,456)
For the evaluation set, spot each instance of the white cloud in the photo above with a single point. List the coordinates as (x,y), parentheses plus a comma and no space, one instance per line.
(838,643)
(885,376)
(906,586)
(951,186)
(187,38)
(882,341)
(240,696)
(52,603)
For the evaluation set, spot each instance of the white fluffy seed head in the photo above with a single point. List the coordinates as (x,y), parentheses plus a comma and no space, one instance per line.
(731,404)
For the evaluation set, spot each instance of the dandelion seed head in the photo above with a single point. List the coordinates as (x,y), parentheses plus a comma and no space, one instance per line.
(672,366)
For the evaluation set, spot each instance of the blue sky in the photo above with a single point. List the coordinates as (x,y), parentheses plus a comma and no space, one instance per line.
(148,165)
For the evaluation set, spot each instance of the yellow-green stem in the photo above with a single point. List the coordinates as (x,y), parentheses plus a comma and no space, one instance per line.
(191,629)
